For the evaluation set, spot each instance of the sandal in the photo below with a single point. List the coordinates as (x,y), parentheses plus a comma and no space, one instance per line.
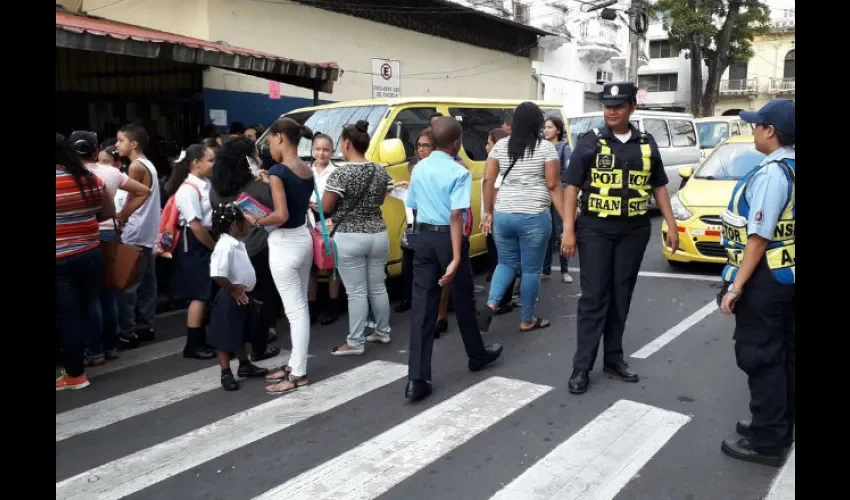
(279,375)
(294,385)
(539,324)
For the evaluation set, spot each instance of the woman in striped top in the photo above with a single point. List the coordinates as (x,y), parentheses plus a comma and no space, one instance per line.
(526,171)
(80,205)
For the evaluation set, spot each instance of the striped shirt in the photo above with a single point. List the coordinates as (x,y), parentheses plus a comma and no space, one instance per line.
(524,190)
(77,229)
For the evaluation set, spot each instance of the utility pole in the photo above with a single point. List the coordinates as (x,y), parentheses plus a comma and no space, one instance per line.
(637,26)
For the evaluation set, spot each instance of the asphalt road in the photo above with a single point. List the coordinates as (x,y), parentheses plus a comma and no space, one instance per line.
(156,426)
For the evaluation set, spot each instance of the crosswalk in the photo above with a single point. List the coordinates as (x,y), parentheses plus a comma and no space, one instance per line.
(596,462)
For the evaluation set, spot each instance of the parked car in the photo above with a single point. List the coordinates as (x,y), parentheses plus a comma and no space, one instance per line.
(713,130)
(698,205)
(675,134)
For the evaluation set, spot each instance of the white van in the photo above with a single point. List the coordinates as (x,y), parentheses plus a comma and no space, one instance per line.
(675,134)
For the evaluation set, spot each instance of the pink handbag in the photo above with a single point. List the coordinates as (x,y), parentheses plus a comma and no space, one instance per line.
(324,248)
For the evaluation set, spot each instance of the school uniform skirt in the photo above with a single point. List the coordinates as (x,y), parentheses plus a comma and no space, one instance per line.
(190,272)
(231,324)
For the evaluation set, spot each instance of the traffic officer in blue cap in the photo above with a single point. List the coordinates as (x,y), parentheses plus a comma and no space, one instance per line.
(617,167)
(759,236)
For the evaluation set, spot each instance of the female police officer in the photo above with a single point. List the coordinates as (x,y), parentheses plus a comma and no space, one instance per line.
(759,235)
(616,167)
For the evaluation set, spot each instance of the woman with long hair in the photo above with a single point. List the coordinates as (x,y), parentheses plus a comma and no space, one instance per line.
(80,205)
(554,132)
(190,185)
(290,245)
(231,178)
(354,194)
(527,173)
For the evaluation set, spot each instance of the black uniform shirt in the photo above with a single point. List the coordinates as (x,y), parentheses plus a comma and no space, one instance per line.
(587,146)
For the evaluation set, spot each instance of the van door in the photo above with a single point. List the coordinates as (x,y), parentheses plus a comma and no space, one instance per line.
(683,153)
(477,122)
(405,124)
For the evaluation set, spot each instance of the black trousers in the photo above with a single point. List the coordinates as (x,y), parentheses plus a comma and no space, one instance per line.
(266,292)
(433,254)
(610,254)
(407,273)
(765,349)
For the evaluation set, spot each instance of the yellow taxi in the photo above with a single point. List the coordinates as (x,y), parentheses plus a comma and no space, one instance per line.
(712,130)
(704,195)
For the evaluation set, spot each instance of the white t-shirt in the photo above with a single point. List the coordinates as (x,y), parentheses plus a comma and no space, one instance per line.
(321,179)
(113,179)
(230,260)
(524,190)
(194,207)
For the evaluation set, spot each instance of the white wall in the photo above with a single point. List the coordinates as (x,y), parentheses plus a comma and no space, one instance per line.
(314,35)
(679,65)
(183,17)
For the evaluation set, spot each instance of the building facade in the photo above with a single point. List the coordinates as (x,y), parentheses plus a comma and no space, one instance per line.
(441,49)
(666,78)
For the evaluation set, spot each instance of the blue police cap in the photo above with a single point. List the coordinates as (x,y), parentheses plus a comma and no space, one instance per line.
(614,94)
(778,112)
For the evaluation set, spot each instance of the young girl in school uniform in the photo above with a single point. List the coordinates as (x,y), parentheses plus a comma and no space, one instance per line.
(234,318)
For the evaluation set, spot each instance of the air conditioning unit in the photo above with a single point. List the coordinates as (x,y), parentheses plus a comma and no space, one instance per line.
(592,87)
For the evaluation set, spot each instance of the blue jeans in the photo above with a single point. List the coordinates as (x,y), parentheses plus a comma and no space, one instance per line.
(105,338)
(555,244)
(78,282)
(521,241)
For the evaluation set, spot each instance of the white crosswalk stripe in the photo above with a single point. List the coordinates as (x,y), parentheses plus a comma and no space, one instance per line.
(598,461)
(135,472)
(377,465)
(109,411)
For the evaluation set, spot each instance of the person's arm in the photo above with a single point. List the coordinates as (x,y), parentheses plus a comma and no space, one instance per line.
(767,195)
(658,180)
(107,208)
(335,188)
(280,212)
(552,171)
(138,195)
(188,202)
(460,195)
(580,161)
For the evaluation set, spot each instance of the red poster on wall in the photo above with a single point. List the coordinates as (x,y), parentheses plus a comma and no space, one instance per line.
(274,90)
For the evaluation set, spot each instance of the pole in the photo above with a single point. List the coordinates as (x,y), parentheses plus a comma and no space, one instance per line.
(634,41)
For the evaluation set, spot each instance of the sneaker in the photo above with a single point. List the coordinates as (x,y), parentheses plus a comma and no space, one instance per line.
(567,278)
(379,337)
(65,383)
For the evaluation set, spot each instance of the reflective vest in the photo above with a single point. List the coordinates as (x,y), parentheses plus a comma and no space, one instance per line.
(780,253)
(613,191)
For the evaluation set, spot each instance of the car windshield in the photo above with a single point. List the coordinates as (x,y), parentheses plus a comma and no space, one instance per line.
(582,124)
(730,161)
(712,133)
(331,122)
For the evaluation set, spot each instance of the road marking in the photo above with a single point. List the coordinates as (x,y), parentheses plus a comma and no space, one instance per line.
(597,461)
(130,404)
(668,336)
(135,472)
(653,274)
(143,354)
(784,484)
(374,467)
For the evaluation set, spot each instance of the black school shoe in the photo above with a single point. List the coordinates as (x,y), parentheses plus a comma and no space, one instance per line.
(229,383)
(251,370)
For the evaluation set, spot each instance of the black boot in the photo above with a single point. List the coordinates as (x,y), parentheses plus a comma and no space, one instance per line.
(247,369)
(228,382)
(579,381)
(314,313)
(742,449)
(403,306)
(331,315)
(441,327)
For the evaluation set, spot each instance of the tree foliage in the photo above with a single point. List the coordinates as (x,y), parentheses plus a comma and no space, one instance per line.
(714,32)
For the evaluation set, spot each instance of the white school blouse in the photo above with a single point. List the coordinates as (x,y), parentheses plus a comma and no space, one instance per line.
(230,260)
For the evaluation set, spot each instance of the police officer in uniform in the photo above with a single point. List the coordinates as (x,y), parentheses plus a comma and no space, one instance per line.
(617,168)
(440,192)
(759,236)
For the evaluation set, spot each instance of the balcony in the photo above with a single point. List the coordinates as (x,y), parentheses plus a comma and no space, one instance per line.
(748,86)
(781,86)
(598,40)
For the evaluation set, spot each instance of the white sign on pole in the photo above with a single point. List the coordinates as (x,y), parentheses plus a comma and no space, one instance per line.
(386,78)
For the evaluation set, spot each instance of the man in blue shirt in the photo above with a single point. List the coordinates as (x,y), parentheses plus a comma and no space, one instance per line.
(759,234)
(440,192)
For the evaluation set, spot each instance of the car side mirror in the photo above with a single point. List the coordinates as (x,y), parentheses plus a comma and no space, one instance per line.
(391,152)
(686,172)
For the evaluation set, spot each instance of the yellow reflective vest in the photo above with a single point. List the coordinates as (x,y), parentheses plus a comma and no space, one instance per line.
(613,190)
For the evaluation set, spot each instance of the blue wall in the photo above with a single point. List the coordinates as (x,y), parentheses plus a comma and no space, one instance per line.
(249,107)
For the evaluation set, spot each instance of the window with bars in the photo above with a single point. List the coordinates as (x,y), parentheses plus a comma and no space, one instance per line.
(665,82)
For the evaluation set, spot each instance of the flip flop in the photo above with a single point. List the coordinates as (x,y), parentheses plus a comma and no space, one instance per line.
(539,324)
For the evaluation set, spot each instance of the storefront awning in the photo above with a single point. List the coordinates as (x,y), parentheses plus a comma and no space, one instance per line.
(91,33)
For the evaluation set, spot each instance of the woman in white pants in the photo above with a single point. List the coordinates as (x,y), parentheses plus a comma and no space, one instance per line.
(290,246)
(354,194)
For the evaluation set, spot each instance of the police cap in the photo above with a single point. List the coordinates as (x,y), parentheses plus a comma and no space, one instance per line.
(614,94)
(778,112)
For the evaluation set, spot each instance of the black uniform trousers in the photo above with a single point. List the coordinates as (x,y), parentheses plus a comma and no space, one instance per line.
(431,258)
(765,349)
(266,292)
(610,254)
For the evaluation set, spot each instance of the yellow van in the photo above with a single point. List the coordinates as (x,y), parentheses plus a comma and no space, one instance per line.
(394,125)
